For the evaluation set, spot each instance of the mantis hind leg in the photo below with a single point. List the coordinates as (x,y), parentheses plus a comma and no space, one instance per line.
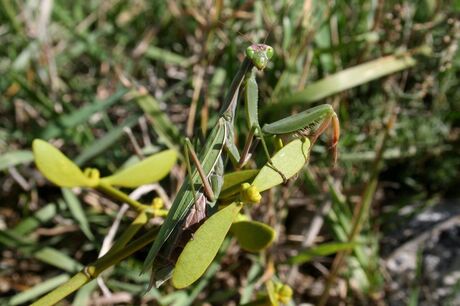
(190,152)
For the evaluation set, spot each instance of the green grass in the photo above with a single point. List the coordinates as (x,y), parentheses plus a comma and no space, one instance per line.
(73,73)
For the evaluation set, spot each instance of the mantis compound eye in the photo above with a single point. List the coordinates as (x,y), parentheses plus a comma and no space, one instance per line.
(269,52)
(250,52)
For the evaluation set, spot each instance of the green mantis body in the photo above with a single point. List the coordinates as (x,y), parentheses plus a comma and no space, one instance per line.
(310,123)
(210,156)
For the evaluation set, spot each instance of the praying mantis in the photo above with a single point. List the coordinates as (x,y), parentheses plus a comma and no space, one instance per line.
(203,185)
(210,159)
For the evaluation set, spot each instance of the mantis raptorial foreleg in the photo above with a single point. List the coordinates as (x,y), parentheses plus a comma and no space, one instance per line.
(251,97)
(310,123)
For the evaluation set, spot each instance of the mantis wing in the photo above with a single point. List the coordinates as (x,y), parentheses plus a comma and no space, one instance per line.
(185,198)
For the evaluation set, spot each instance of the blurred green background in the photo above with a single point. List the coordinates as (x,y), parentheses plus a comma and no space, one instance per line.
(71,71)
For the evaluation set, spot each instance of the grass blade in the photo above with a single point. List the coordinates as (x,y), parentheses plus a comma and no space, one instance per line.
(39,289)
(47,255)
(81,115)
(324,249)
(77,212)
(14,158)
(102,144)
(167,131)
(40,217)
(348,78)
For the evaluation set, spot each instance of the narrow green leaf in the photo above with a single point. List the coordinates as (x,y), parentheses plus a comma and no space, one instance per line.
(262,301)
(77,212)
(57,168)
(253,236)
(9,11)
(57,259)
(39,289)
(289,160)
(254,274)
(48,255)
(102,144)
(233,181)
(149,170)
(81,115)
(11,159)
(201,250)
(83,295)
(166,56)
(39,217)
(168,132)
(271,293)
(324,249)
(348,78)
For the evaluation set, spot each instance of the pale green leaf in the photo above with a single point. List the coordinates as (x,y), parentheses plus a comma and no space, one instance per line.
(201,250)
(166,56)
(84,294)
(289,160)
(57,168)
(253,236)
(271,293)
(324,249)
(14,158)
(233,181)
(149,170)
(348,78)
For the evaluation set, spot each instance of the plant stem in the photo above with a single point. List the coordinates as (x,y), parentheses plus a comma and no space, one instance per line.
(119,195)
(129,233)
(91,271)
(362,208)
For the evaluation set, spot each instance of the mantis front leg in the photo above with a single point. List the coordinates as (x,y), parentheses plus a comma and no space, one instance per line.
(310,123)
(251,97)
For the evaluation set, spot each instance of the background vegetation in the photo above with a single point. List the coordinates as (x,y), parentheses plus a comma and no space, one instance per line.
(68,71)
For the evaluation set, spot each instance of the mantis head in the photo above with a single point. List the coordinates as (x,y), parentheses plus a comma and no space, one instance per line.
(259,54)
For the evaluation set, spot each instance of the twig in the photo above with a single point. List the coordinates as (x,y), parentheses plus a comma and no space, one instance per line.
(107,243)
(132,139)
(145,131)
(198,84)
(19,178)
(92,271)
(363,206)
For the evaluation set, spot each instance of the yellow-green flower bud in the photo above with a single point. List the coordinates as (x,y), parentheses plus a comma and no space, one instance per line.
(157,203)
(283,293)
(93,175)
(250,194)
